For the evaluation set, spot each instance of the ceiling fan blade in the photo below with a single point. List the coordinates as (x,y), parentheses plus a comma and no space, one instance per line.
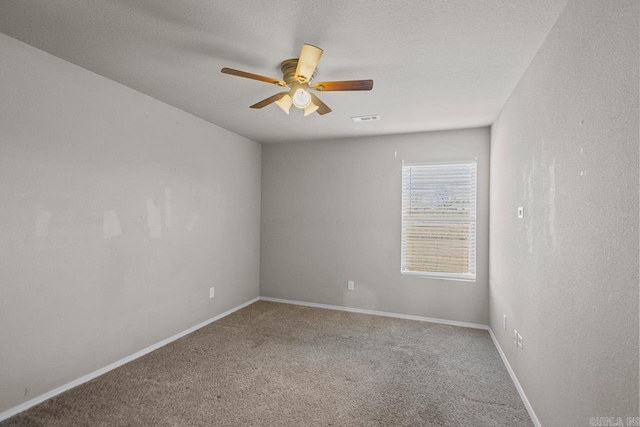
(343,85)
(269,100)
(322,107)
(252,76)
(307,63)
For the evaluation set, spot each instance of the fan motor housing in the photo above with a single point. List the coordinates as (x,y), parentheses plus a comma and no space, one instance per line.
(288,67)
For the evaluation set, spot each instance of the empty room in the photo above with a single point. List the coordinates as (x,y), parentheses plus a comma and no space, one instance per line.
(336,213)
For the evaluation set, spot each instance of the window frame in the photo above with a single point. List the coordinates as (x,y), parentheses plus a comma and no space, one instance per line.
(463,277)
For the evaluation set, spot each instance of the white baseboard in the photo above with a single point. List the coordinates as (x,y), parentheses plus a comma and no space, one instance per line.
(523,396)
(48,395)
(378,313)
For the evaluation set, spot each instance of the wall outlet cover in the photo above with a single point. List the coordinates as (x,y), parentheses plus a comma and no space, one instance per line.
(351,285)
(212,292)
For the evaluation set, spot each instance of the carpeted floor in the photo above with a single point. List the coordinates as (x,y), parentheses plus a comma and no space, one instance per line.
(273,364)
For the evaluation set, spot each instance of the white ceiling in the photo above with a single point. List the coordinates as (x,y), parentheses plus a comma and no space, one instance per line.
(436,64)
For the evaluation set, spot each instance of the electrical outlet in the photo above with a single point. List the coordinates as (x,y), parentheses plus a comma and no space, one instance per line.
(520,341)
(504,321)
(350,285)
(212,292)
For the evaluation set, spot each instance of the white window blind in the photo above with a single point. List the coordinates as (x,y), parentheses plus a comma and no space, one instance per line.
(439,220)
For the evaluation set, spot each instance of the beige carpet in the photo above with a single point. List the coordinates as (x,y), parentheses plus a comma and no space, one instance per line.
(274,364)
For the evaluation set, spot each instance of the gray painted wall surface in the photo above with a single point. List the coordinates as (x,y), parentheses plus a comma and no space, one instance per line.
(566,148)
(331,213)
(118,214)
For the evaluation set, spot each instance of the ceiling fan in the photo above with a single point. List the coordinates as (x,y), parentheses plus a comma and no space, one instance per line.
(297,74)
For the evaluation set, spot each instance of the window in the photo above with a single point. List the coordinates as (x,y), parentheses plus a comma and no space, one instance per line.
(439,220)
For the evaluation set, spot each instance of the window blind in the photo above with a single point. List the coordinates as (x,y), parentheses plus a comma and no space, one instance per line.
(439,220)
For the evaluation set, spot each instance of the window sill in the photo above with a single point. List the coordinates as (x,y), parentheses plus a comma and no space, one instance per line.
(423,275)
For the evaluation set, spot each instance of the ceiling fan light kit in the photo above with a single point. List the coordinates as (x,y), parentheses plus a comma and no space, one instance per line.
(297,74)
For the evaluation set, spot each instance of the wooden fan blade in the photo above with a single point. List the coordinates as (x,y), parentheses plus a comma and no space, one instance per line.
(343,85)
(307,63)
(269,100)
(322,107)
(252,76)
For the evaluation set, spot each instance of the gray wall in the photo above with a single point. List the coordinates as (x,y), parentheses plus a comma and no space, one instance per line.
(331,213)
(118,214)
(566,148)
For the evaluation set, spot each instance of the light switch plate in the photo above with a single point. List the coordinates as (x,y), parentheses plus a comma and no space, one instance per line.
(521,212)
(520,341)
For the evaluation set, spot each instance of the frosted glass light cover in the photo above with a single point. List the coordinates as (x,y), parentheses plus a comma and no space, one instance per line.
(301,98)
(311,108)
(285,103)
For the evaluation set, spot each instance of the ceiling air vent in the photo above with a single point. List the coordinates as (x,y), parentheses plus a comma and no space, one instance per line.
(372,118)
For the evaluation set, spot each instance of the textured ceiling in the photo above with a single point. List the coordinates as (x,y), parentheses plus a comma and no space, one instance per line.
(436,64)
